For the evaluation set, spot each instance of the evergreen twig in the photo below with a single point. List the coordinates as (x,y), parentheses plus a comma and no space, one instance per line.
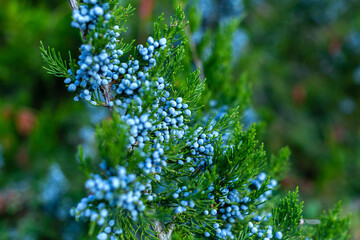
(105,89)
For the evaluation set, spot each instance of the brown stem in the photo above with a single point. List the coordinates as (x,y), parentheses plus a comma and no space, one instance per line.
(73,4)
(163,232)
(106,92)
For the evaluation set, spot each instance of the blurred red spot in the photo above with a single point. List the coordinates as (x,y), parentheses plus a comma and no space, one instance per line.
(288,182)
(299,94)
(146,8)
(2,204)
(338,133)
(25,122)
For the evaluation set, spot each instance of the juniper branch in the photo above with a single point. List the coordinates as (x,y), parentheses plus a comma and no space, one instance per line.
(105,90)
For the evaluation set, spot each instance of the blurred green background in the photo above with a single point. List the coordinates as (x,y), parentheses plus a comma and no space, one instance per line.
(302,57)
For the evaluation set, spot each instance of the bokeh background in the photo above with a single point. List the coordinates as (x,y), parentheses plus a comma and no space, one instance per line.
(301,56)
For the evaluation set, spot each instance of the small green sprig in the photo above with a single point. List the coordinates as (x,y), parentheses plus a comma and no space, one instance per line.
(287,215)
(55,64)
(332,225)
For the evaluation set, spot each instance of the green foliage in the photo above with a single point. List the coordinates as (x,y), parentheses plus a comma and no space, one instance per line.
(134,229)
(39,124)
(219,66)
(121,14)
(241,162)
(234,166)
(169,64)
(192,89)
(85,162)
(279,165)
(55,132)
(174,31)
(303,59)
(287,214)
(213,52)
(332,226)
(112,140)
(55,64)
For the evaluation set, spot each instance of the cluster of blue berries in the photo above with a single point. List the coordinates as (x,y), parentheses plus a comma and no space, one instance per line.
(110,232)
(221,233)
(139,127)
(103,67)
(258,182)
(126,80)
(95,70)
(232,206)
(265,234)
(117,190)
(153,128)
(183,204)
(201,148)
(167,124)
(129,82)
(87,16)
(255,230)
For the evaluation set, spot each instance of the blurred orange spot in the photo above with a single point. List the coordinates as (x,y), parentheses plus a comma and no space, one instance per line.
(146,8)
(288,182)
(307,186)
(299,94)
(338,133)
(2,204)
(25,122)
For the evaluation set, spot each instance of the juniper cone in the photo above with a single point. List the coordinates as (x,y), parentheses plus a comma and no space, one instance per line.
(163,174)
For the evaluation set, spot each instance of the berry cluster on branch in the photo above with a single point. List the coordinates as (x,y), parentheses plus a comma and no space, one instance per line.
(163,176)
